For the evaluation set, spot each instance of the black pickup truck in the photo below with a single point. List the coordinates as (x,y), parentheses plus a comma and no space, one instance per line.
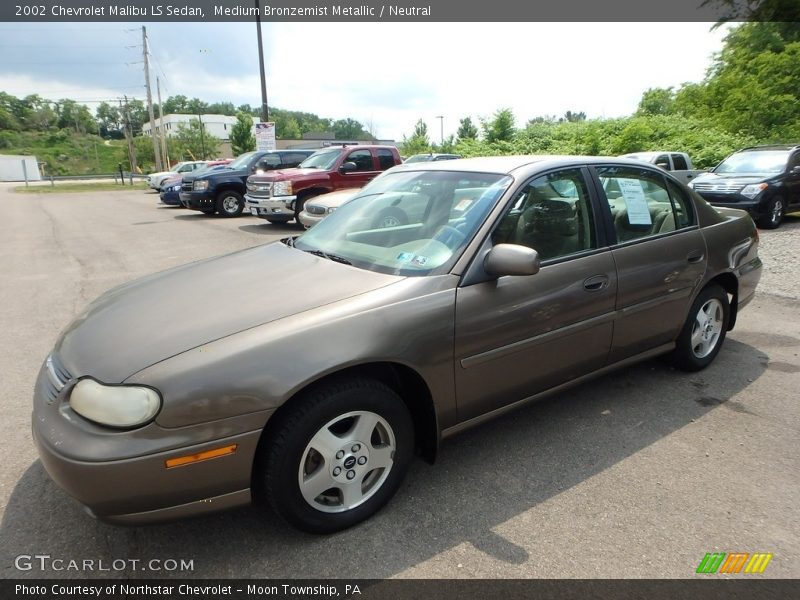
(223,190)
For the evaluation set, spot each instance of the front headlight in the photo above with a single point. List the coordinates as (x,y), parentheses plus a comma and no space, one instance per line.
(753,190)
(331,209)
(282,188)
(114,405)
(176,188)
(200,186)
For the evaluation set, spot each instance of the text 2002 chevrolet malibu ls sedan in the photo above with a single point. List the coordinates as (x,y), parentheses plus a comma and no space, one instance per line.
(332,357)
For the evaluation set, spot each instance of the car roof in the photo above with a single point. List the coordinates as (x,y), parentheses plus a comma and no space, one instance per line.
(506,165)
(771,147)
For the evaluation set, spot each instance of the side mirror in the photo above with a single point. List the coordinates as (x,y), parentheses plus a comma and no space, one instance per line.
(511,259)
(795,170)
(348,167)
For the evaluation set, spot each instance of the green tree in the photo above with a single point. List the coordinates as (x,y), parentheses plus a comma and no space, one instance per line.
(500,128)
(574,117)
(176,105)
(418,143)
(350,129)
(242,138)
(194,141)
(466,130)
(657,101)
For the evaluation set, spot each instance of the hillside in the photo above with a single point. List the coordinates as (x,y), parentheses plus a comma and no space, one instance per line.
(67,152)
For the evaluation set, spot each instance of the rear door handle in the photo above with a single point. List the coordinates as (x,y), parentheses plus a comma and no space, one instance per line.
(695,257)
(595,283)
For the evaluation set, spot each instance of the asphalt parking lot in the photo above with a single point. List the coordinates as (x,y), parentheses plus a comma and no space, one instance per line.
(637,474)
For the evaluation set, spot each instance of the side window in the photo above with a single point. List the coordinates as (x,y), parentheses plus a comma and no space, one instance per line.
(552,214)
(679,162)
(663,162)
(363,160)
(681,206)
(294,158)
(639,201)
(268,162)
(385,159)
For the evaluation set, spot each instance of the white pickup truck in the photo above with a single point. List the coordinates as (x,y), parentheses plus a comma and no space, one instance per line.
(677,163)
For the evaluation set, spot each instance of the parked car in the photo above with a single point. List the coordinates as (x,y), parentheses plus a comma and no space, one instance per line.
(223,190)
(349,348)
(319,207)
(430,157)
(763,180)
(171,188)
(279,196)
(677,163)
(155,180)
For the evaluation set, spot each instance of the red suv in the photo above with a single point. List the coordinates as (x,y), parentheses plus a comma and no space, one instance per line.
(279,196)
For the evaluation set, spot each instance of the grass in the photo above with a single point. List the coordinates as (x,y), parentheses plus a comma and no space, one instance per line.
(61,188)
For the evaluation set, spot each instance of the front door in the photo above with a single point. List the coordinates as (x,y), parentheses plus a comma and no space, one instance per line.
(517,336)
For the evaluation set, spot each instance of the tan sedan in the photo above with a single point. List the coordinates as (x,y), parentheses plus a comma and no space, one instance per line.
(356,345)
(319,207)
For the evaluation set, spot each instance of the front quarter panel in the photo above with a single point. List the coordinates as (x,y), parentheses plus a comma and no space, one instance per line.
(410,322)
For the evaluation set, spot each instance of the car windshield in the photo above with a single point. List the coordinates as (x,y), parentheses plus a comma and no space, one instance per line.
(241,161)
(418,158)
(322,159)
(761,161)
(407,223)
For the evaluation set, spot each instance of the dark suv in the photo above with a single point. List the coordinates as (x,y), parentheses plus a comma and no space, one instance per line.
(763,180)
(223,190)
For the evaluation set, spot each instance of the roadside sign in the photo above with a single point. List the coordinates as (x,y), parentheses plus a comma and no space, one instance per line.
(265,136)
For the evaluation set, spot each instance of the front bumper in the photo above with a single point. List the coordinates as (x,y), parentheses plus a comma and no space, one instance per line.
(277,208)
(170,198)
(197,200)
(751,205)
(308,220)
(121,476)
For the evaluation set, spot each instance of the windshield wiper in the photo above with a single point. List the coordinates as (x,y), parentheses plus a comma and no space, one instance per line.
(333,257)
(289,241)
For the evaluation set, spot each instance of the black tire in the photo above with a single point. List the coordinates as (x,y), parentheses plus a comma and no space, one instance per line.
(287,447)
(699,341)
(773,215)
(230,203)
(300,203)
(391,216)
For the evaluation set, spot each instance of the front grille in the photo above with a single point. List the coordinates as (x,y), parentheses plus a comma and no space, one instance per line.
(57,377)
(186,187)
(719,188)
(261,189)
(315,210)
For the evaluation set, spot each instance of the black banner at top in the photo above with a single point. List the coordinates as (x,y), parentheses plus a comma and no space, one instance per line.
(397,10)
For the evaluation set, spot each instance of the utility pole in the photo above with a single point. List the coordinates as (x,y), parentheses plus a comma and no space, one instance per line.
(164,149)
(129,136)
(264,105)
(156,151)
(202,136)
(441,128)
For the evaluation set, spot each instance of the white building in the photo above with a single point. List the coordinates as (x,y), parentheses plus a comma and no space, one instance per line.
(216,125)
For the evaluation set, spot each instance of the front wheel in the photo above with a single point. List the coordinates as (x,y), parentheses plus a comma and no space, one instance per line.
(230,204)
(702,335)
(337,456)
(773,216)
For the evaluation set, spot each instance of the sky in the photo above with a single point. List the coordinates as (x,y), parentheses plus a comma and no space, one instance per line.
(386,75)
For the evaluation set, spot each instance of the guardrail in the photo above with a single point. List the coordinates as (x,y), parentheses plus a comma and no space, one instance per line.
(115,176)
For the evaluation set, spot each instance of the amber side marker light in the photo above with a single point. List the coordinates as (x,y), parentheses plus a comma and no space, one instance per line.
(200,456)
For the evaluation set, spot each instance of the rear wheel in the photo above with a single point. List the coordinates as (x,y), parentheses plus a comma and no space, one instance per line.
(337,456)
(704,331)
(773,216)
(230,203)
(391,216)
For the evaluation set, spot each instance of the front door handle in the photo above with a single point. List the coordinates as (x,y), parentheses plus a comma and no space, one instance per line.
(695,257)
(595,283)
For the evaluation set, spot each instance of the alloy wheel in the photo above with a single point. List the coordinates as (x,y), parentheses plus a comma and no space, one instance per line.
(707,328)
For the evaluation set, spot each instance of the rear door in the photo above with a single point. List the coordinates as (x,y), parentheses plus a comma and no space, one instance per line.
(660,255)
(517,336)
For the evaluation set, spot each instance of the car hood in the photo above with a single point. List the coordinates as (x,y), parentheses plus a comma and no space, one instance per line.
(161,174)
(334,199)
(295,174)
(732,178)
(226,172)
(148,320)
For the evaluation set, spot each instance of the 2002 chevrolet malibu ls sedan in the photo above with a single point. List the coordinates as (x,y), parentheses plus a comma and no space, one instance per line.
(325,361)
